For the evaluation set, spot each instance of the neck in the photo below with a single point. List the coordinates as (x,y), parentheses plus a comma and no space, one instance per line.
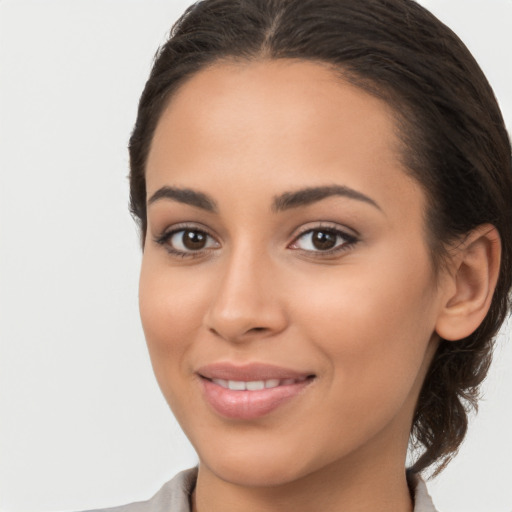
(355,484)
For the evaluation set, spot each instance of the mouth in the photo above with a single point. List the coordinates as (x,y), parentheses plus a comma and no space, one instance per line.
(251,391)
(256,385)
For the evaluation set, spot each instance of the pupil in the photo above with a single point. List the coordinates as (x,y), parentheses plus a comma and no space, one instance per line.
(194,240)
(324,240)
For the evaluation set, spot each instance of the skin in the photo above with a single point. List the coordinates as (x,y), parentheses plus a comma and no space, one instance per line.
(362,320)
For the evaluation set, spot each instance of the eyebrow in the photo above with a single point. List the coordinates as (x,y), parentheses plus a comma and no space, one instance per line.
(307,196)
(185,195)
(282,202)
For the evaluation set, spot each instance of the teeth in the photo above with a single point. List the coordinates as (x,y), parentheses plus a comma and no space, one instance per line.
(221,382)
(254,385)
(236,385)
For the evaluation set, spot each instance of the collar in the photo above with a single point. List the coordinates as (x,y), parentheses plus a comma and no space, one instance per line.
(175,495)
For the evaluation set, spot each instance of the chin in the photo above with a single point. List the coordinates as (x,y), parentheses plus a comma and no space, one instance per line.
(254,466)
(262,473)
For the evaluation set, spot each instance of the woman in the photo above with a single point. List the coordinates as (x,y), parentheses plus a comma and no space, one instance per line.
(324,194)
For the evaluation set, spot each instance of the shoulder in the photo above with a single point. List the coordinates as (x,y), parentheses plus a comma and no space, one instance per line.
(422,500)
(172,497)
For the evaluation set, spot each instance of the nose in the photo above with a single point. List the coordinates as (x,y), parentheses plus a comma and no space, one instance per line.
(247,303)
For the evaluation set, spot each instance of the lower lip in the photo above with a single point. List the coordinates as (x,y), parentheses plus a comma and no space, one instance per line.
(249,405)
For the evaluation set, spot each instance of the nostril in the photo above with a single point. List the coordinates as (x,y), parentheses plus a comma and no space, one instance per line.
(213,331)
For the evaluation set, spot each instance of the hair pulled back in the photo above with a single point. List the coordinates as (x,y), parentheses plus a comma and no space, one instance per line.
(454,143)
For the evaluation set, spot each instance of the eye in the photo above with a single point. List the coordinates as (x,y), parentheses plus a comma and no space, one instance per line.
(323,240)
(187,241)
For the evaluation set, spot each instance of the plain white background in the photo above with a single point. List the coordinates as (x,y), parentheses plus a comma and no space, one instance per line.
(82,422)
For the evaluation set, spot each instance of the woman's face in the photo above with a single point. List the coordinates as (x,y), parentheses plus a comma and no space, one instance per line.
(286,248)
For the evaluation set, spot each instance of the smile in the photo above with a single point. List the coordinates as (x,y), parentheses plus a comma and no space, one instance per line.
(250,391)
(255,385)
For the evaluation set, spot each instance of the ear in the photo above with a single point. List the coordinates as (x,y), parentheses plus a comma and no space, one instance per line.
(474,266)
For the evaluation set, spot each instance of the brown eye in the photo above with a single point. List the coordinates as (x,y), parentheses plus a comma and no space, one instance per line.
(323,240)
(327,240)
(194,240)
(188,241)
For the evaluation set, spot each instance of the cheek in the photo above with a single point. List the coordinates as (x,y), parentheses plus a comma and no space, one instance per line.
(171,314)
(373,330)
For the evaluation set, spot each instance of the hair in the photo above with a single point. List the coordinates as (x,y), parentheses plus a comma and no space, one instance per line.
(454,144)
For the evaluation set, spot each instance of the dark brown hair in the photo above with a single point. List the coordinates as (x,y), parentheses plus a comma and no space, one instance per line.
(455,143)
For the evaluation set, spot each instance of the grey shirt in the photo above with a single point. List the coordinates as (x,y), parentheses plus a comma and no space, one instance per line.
(174,496)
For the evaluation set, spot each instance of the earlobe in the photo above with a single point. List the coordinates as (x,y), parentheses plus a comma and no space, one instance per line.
(475,269)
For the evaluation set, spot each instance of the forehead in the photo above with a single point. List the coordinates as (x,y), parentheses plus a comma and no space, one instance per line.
(276,122)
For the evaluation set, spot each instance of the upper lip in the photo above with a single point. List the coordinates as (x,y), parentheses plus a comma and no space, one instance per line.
(249,372)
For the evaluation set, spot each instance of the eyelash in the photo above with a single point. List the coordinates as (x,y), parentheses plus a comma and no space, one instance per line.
(165,237)
(350,241)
